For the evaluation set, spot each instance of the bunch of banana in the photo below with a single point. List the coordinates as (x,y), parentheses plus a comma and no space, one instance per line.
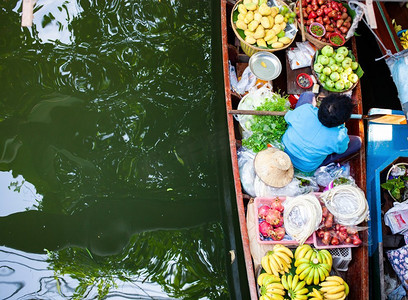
(278,260)
(295,287)
(313,265)
(334,288)
(271,287)
(315,295)
(404,39)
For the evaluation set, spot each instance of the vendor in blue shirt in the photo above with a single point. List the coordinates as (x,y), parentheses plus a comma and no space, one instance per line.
(317,136)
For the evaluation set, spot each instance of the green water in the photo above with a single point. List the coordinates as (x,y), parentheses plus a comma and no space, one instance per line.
(115,179)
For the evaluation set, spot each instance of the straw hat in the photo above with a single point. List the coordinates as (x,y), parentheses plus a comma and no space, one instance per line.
(273,167)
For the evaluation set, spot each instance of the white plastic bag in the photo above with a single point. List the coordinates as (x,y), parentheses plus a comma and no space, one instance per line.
(246,170)
(397,218)
(247,81)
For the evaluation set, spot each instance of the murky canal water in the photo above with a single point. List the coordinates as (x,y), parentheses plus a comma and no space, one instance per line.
(114,171)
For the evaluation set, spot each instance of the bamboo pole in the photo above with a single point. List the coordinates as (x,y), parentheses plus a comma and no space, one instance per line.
(27,15)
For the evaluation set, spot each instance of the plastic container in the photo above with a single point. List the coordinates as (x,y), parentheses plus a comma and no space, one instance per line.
(335,34)
(319,245)
(307,77)
(318,25)
(341,258)
(287,240)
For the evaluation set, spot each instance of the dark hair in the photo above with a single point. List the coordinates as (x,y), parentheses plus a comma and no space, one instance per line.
(335,109)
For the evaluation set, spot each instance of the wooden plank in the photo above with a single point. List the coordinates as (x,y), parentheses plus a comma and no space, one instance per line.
(27,15)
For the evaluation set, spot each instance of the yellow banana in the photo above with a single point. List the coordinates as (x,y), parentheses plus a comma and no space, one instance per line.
(314,298)
(303,291)
(294,281)
(290,277)
(284,257)
(276,297)
(273,265)
(309,278)
(286,268)
(303,250)
(276,285)
(335,278)
(325,272)
(319,257)
(301,297)
(309,254)
(316,275)
(284,250)
(298,249)
(328,256)
(301,268)
(334,296)
(317,294)
(301,261)
(321,274)
(276,291)
(284,282)
(300,285)
(270,279)
(305,273)
(335,289)
(261,278)
(313,256)
(329,283)
(265,264)
(278,261)
(264,297)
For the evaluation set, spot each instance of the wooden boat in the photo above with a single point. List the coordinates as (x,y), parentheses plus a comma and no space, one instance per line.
(358,272)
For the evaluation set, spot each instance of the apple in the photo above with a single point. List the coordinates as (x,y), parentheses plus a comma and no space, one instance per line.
(326,71)
(318,67)
(340,70)
(353,78)
(339,85)
(347,84)
(328,50)
(346,63)
(342,50)
(334,76)
(348,71)
(323,59)
(334,67)
(329,83)
(339,57)
(344,77)
(354,65)
(332,61)
(322,77)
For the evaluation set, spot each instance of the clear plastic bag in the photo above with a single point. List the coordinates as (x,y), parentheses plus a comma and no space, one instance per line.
(307,184)
(397,218)
(247,81)
(325,174)
(398,65)
(246,170)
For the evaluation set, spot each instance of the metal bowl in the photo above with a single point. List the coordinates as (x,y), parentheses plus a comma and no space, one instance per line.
(265,65)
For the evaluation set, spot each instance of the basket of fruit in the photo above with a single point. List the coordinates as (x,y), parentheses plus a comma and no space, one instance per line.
(336,69)
(260,27)
(336,17)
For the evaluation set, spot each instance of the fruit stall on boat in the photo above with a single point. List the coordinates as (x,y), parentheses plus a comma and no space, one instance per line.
(318,257)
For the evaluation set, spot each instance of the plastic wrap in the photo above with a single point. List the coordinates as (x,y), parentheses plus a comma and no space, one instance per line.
(397,218)
(347,203)
(247,81)
(302,216)
(326,174)
(246,170)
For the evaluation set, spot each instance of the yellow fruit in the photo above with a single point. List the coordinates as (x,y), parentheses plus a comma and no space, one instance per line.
(241,25)
(242,9)
(284,40)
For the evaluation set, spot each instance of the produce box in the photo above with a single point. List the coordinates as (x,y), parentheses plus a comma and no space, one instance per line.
(275,202)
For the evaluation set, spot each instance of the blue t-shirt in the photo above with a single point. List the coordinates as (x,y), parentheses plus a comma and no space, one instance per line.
(308,142)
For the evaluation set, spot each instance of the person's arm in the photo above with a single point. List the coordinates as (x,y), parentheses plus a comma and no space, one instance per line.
(342,140)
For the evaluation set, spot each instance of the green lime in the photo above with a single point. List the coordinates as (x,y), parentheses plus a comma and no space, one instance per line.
(281,34)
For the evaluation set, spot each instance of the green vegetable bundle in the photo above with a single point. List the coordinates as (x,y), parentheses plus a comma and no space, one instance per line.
(267,129)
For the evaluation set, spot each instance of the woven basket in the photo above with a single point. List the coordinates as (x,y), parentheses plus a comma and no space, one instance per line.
(319,44)
(251,49)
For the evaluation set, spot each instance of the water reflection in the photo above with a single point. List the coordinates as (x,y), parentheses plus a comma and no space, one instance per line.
(109,152)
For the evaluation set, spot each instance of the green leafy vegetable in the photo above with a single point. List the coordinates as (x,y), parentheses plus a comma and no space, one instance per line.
(396,186)
(267,129)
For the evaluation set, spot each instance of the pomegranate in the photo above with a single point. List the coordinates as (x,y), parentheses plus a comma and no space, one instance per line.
(265,229)
(274,217)
(263,211)
(277,204)
(278,233)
